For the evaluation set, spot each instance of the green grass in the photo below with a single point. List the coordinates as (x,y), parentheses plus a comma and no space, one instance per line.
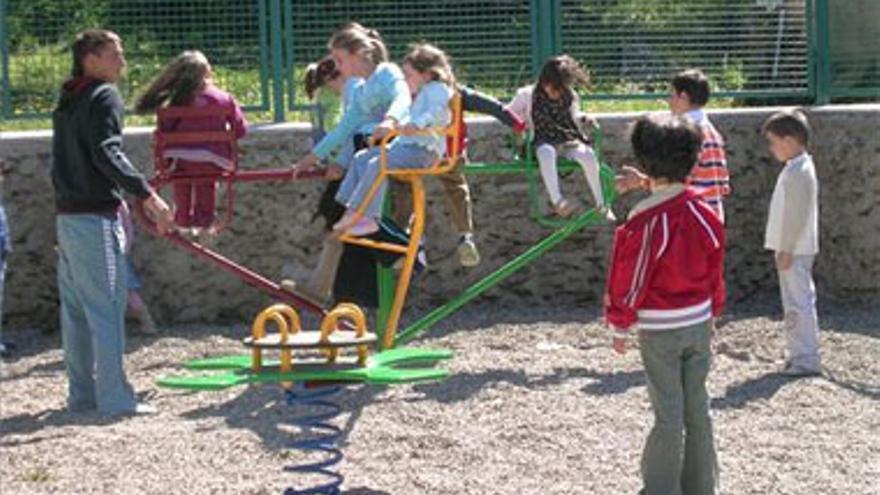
(37,75)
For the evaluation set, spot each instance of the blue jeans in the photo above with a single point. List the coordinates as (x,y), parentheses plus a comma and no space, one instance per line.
(5,245)
(92,285)
(365,168)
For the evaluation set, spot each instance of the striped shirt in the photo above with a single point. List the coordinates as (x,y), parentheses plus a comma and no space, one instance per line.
(710,178)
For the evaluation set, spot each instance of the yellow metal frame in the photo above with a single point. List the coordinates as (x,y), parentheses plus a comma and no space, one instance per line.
(287,320)
(414,177)
(330,324)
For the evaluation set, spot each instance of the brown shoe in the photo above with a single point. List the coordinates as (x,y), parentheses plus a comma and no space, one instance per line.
(302,291)
(146,325)
(564,208)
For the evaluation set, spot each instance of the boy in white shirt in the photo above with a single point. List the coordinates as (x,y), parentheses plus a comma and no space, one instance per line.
(793,234)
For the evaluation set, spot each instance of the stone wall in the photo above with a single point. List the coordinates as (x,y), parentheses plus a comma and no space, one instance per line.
(271,229)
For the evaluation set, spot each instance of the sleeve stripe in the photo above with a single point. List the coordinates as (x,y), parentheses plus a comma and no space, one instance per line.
(705,224)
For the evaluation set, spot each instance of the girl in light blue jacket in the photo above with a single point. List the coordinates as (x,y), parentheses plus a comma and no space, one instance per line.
(429,77)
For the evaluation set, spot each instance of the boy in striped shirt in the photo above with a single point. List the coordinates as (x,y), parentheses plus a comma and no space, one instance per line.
(666,278)
(709,178)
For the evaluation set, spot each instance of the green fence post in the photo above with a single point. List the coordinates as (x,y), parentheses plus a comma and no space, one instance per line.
(5,100)
(545,25)
(823,53)
(277,47)
(263,22)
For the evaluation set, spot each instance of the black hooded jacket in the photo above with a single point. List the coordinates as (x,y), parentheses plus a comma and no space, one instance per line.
(90,170)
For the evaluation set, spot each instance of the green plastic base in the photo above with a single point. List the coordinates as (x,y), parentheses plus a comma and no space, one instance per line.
(405,365)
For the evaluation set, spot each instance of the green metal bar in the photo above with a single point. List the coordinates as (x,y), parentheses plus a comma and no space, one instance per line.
(385,279)
(288,54)
(496,277)
(5,99)
(277,47)
(545,35)
(823,58)
(811,49)
(264,54)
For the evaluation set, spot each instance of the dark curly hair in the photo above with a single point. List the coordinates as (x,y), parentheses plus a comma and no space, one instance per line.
(665,146)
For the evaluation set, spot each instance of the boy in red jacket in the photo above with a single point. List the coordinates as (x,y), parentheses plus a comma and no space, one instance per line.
(666,277)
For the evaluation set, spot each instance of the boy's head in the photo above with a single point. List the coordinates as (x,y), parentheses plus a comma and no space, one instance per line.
(666,146)
(788,134)
(98,53)
(689,90)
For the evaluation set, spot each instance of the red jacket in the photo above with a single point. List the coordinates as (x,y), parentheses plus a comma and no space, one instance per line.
(667,267)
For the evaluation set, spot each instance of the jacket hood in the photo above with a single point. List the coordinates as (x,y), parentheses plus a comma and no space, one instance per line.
(73,88)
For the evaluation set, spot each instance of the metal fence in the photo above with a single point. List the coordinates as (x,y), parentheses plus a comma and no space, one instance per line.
(35,36)
(763,50)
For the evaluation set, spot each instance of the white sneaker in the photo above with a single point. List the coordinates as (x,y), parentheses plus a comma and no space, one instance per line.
(607,213)
(468,255)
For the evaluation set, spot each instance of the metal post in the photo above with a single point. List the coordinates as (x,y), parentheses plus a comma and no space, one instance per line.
(545,31)
(5,99)
(264,54)
(496,277)
(277,47)
(823,53)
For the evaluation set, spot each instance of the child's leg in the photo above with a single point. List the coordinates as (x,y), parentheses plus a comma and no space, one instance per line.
(546,155)
(205,198)
(182,194)
(400,156)
(458,200)
(584,155)
(353,176)
(321,281)
(801,322)
(699,472)
(662,456)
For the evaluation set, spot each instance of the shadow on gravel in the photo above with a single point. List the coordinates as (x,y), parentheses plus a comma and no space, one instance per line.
(869,390)
(762,387)
(25,424)
(264,411)
(462,386)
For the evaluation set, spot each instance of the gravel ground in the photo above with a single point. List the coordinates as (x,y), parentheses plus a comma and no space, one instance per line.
(536,404)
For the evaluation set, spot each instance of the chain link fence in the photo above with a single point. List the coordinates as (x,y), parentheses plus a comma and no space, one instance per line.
(761,50)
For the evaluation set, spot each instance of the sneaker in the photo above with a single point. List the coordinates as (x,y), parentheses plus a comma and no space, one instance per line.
(799,371)
(141,409)
(563,208)
(607,213)
(6,349)
(468,255)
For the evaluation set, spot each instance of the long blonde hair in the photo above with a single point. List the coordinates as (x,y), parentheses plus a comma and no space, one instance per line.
(427,58)
(355,38)
(178,83)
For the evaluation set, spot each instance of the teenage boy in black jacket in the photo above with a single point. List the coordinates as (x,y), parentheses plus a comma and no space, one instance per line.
(89,174)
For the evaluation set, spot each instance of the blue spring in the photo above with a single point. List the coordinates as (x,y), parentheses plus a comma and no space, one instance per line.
(321,436)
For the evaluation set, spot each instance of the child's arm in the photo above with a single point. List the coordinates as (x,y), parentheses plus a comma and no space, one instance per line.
(475,101)
(435,110)
(389,86)
(799,191)
(631,265)
(520,104)
(239,122)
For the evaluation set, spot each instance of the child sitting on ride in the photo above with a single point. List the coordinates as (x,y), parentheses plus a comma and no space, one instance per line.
(188,81)
(551,110)
(430,78)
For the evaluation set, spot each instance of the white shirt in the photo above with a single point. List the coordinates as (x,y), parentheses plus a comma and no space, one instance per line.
(793,219)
